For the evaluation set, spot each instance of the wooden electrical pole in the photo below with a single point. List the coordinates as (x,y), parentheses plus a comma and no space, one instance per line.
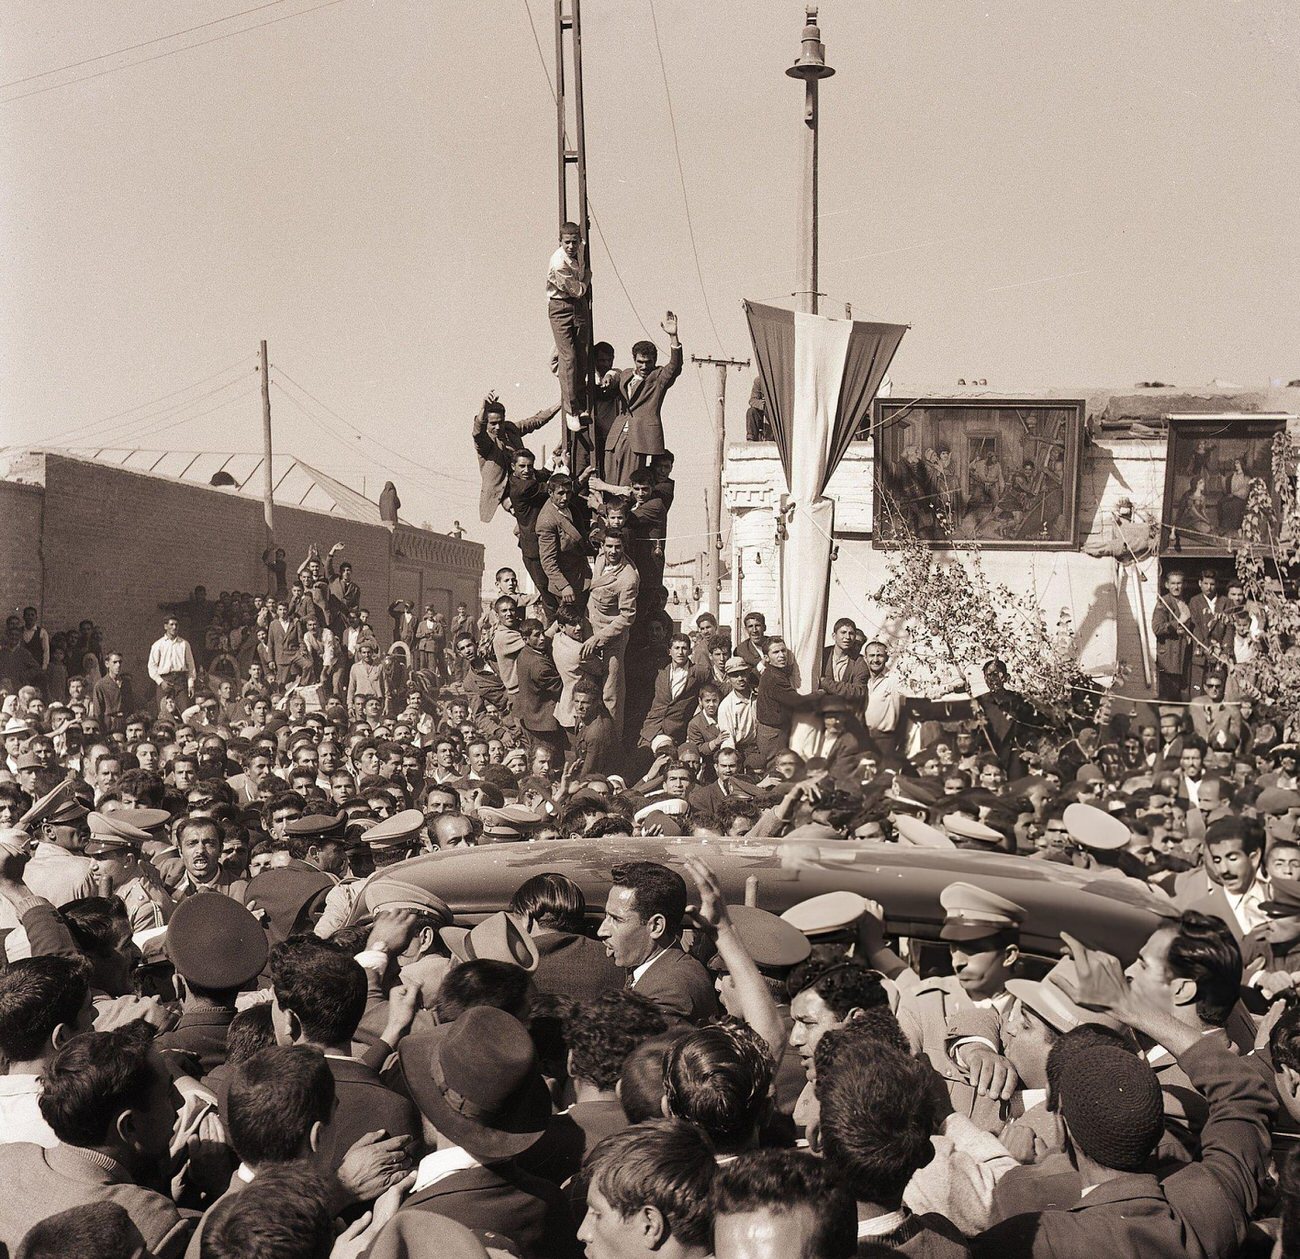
(713,501)
(268,479)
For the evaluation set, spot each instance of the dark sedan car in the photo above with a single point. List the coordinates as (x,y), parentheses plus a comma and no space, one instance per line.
(1113,914)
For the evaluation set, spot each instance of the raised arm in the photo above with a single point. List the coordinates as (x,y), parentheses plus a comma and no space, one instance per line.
(757,1007)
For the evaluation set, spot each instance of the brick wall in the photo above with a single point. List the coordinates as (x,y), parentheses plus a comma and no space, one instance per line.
(20,546)
(119,543)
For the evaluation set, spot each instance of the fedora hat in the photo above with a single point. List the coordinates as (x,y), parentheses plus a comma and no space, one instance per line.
(477,1081)
(497,938)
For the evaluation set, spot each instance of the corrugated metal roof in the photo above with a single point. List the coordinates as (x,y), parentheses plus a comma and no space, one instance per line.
(294,483)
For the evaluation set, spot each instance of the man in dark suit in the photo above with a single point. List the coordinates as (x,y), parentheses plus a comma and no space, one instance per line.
(642,931)
(836,745)
(1171,623)
(677,693)
(478,1084)
(643,388)
(524,499)
(539,688)
(596,747)
(1210,627)
(319,998)
(728,786)
(285,641)
(844,672)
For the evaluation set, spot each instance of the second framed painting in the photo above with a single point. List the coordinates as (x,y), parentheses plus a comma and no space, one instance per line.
(1000,472)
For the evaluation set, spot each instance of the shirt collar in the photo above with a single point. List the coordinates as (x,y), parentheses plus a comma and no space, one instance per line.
(638,971)
(441,1164)
(883,1225)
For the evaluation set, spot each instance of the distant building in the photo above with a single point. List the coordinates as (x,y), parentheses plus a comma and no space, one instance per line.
(110,535)
(1123,456)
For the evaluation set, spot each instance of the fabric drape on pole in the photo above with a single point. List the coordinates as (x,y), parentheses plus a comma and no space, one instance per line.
(820,376)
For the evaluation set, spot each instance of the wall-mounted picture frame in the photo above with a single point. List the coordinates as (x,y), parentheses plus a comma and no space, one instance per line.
(1211,463)
(994,472)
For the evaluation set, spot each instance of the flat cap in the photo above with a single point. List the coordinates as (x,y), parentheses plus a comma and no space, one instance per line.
(827,913)
(1277,800)
(213,941)
(1095,828)
(736,665)
(968,828)
(318,826)
(110,832)
(911,830)
(973,913)
(59,806)
(397,831)
(28,760)
(497,938)
(395,894)
(769,940)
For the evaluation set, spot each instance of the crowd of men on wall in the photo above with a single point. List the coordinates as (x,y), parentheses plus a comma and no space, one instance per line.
(234,1023)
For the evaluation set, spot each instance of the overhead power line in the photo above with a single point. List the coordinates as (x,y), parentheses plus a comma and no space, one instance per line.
(145,43)
(170,52)
(681,176)
(591,211)
(437,472)
(106,426)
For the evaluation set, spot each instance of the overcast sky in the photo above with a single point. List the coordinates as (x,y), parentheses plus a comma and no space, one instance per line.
(1051,194)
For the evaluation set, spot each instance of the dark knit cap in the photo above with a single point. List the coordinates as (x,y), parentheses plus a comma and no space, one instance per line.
(1111,1100)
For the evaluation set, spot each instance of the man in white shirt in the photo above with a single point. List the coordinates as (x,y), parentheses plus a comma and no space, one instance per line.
(884,697)
(738,712)
(46,1001)
(171,662)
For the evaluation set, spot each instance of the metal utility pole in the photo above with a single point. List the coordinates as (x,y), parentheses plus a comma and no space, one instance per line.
(811,68)
(713,502)
(568,51)
(268,480)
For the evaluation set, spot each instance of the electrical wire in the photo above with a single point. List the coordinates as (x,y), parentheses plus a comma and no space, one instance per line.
(201,43)
(366,436)
(184,419)
(159,39)
(105,428)
(591,210)
(681,176)
(144,426)
(424,482)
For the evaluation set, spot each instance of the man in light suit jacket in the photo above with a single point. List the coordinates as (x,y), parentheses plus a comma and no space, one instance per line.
(642,931)
(562,543)
(643,388)
(677,693)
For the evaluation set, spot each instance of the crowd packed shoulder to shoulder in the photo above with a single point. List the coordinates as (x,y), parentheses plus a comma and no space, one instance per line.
(234,1023)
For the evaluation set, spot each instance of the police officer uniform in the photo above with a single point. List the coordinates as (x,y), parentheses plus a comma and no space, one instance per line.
(937,1015)
(218,948)
(112,835)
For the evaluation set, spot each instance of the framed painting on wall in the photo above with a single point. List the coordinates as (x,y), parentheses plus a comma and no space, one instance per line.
(1000,472)
(1211,464)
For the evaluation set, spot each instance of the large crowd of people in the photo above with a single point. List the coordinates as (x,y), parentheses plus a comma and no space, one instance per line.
(222,1035)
